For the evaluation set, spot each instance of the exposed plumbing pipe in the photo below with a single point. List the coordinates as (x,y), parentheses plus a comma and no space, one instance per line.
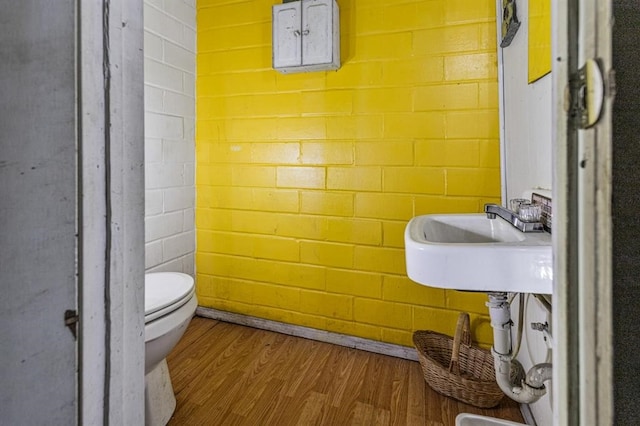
(543,299)
(500,314)
(544,329)
(509,373)
(523,297)
(538,374)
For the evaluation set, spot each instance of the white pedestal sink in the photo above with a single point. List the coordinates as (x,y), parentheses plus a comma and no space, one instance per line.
(474,253)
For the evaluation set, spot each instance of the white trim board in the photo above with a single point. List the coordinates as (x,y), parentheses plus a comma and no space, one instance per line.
(368,345)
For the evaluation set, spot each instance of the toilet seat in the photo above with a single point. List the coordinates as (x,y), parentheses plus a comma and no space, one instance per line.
(166,292)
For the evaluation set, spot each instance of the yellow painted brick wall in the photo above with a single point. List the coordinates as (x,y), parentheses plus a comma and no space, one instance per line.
(306,181)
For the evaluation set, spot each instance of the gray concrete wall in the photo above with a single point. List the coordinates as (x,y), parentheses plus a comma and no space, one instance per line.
(37,213)
(71,212)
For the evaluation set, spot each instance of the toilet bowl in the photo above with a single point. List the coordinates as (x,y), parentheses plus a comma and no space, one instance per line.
(169,304)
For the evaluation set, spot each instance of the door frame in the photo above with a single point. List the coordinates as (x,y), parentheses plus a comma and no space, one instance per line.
(110,117)
(583,350)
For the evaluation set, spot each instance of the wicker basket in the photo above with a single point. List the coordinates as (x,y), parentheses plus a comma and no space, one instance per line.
(454,368)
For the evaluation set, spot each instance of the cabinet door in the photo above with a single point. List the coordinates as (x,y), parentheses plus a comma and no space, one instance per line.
(317,29)
(286,35)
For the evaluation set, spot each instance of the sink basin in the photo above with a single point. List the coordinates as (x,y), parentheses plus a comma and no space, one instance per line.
(473,253)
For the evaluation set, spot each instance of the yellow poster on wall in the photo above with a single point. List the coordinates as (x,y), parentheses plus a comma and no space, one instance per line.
(539,39)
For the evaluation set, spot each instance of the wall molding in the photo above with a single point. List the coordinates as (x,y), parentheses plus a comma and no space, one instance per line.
(368,345)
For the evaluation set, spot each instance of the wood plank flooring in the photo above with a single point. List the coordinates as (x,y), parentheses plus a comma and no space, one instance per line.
(227,374)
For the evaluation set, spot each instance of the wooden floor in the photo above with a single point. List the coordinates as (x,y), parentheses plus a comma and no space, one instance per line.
(227,374)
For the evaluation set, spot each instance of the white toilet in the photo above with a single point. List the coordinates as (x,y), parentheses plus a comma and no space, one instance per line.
(169,304)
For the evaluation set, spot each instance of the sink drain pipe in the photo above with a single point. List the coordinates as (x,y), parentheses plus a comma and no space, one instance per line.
(510,374)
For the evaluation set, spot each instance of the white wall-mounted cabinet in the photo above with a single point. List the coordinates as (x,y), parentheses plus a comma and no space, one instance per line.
(306,36)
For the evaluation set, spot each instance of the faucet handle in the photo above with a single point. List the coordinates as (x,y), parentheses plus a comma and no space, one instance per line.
(516,203)
(530,212)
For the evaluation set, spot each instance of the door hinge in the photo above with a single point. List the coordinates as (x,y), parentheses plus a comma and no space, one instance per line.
(585,95)
(71,319)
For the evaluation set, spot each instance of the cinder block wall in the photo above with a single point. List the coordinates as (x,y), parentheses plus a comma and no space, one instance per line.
(306,181)
(169,68)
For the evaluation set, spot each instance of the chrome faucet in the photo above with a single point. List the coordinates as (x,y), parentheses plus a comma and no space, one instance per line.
(493,210)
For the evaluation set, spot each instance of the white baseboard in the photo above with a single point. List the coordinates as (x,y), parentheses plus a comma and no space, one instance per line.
(311,333)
